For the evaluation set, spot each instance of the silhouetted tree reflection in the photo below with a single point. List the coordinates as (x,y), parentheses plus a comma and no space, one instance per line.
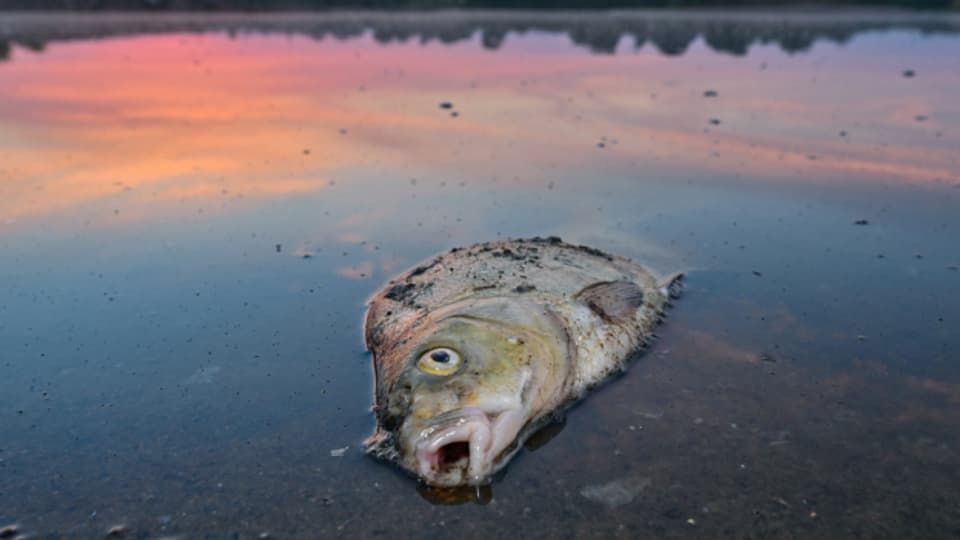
(599,32)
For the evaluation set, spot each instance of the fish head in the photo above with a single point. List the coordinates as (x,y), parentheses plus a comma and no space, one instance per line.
(468,384)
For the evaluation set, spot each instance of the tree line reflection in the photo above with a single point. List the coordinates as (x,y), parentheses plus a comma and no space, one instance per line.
(671,33)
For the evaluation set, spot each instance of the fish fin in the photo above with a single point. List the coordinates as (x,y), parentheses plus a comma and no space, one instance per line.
(612,300)
(381,445)
(672,286)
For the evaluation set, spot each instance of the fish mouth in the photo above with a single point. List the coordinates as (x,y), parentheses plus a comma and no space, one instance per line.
(462,446)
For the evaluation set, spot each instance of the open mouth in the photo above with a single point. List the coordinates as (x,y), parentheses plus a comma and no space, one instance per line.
(456,449)
(453,454)
(466,446)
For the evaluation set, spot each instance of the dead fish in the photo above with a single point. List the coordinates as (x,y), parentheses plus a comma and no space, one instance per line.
(476,349)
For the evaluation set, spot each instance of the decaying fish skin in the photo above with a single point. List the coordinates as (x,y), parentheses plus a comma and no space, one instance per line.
(477,348)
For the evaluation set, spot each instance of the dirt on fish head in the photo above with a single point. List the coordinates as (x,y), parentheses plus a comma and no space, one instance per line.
(457,387)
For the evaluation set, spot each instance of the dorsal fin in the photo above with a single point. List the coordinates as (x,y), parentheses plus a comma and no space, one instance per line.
(612,300)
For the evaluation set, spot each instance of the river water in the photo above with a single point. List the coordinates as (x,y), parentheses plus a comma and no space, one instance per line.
(194,208)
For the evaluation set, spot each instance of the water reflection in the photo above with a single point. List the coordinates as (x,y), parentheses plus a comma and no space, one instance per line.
(598,32)
(481,495)
(150,122)
(191,220)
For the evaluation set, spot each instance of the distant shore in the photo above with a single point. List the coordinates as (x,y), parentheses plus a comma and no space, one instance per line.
(325,5)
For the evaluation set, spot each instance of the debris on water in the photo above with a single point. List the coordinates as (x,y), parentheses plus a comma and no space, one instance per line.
(279,247)
(339,452)
(861,222)
(306,151)
(116,531)
(861,337)
(715,121)
(843,133)
(758,274)
(710,93)
(781,501)
(446,105)
(343,131)
(953,267)
(8,531)
(263,536)
(203,375)
(768,358)
(616,493)
(920,118)
(691,521)
(908,73)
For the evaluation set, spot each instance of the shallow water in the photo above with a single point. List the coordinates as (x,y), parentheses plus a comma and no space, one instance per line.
(194,209)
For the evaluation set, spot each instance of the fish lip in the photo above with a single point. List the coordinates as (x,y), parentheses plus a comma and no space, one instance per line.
(470,425)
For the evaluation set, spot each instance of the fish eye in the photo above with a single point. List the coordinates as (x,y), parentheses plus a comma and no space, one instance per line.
(440,361)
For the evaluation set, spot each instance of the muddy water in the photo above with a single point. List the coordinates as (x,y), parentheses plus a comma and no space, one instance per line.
(193,210)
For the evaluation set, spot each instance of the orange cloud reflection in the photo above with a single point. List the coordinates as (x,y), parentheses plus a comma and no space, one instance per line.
(144,121)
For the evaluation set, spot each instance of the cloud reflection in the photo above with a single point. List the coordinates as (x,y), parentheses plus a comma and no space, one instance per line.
(140,123)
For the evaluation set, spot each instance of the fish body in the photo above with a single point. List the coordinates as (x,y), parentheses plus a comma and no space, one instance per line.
(477,348)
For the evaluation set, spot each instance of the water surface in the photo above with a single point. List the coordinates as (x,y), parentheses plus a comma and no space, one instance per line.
(193,210)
